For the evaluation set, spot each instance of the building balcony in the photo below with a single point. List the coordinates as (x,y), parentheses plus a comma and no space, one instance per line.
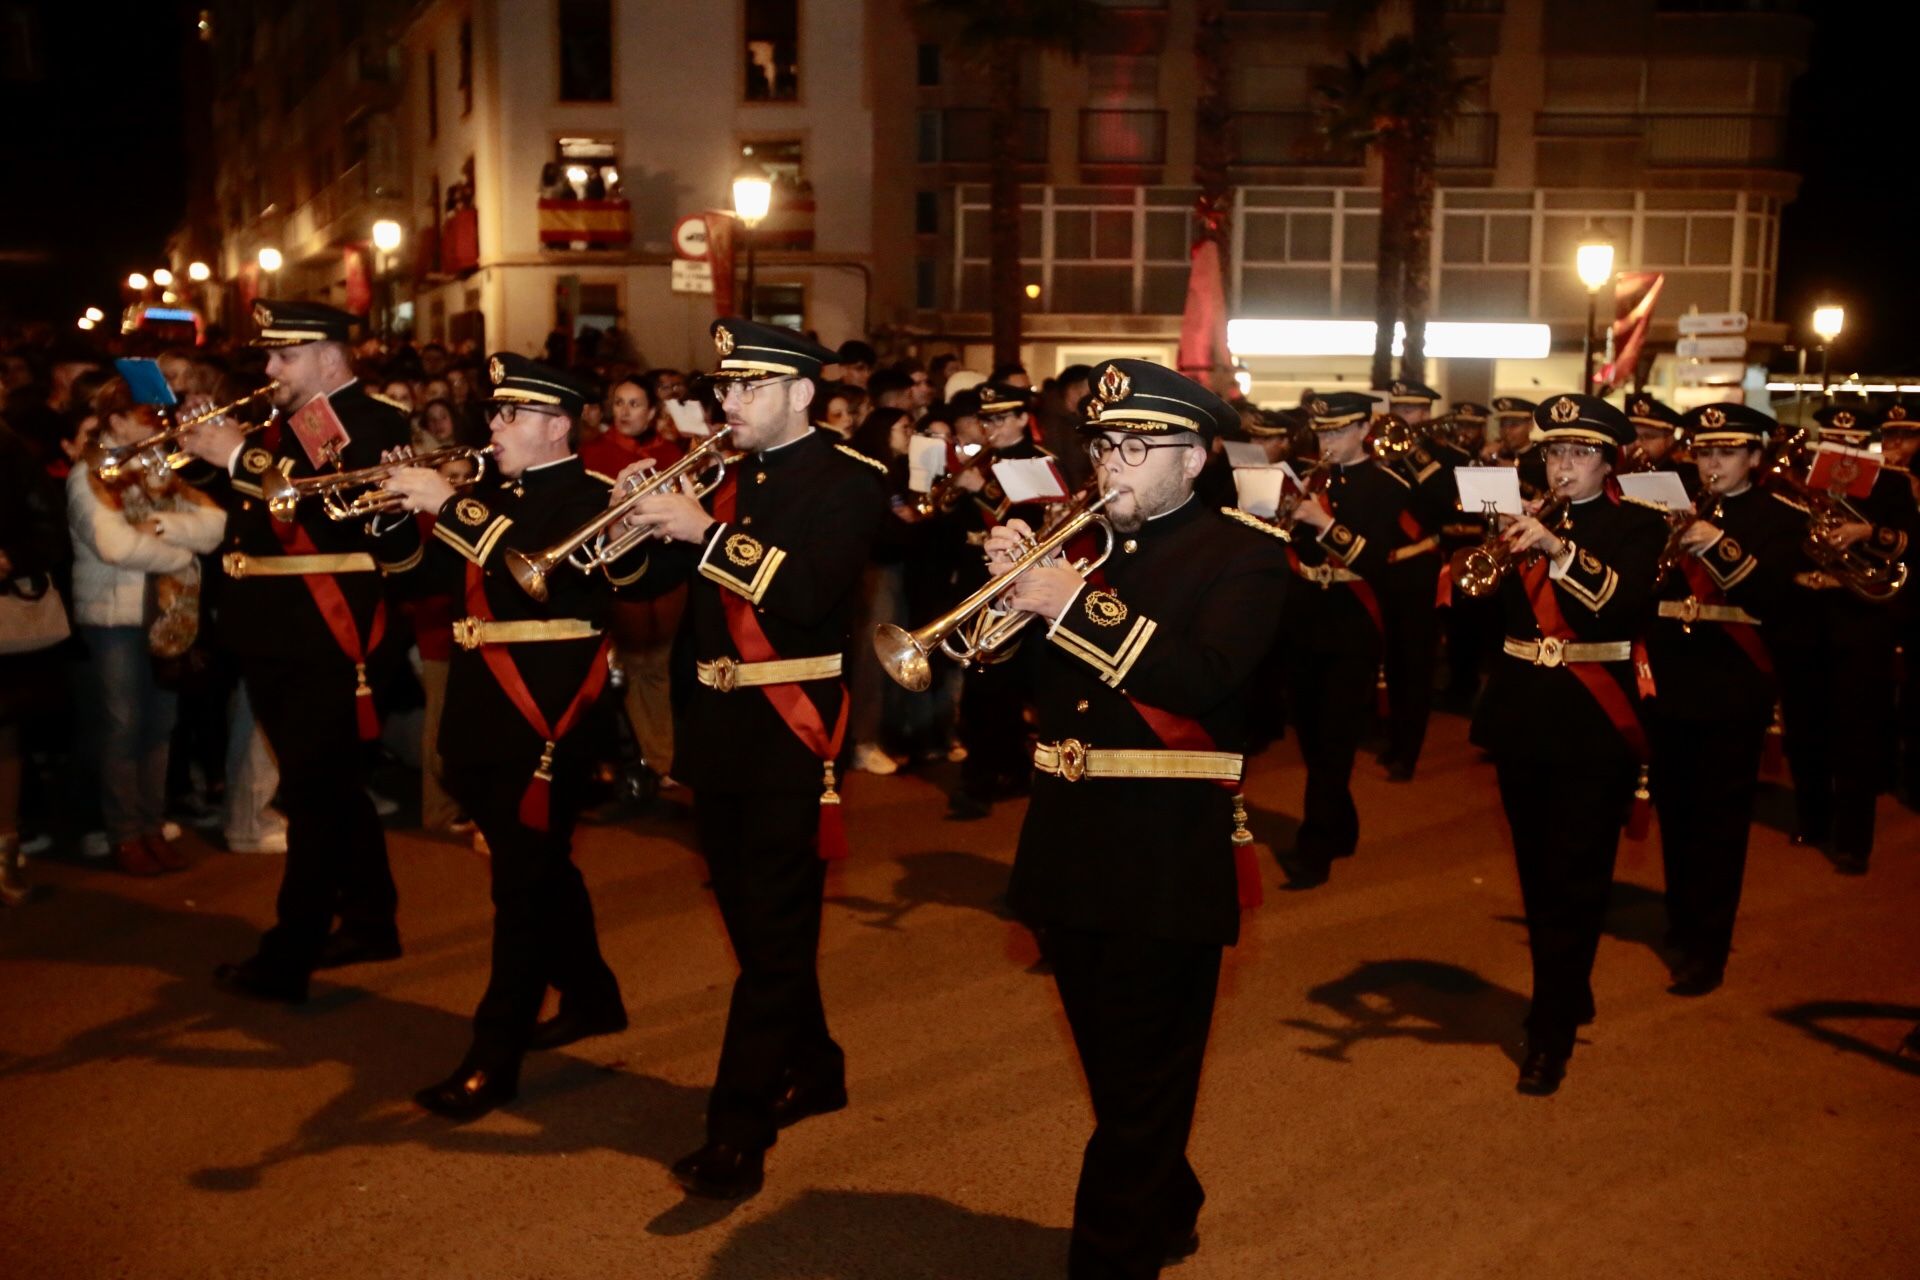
(1678,141)
(1287,139)
(344,210)
(1123,137)
(1471,142)
(585,224)
(964,135)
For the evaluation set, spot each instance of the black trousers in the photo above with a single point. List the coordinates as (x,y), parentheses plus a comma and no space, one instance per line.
(1705,776)
(1836,708)
(1412,656)
(762,852)
(1330,701)
(543,926)
(993,729)
(1473,630)
(336,862)
(1566,817)
(1140,1009)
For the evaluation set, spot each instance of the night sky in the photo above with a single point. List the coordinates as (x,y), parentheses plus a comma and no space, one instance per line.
(95,146)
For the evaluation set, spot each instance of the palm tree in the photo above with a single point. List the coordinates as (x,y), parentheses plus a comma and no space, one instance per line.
(1212,147)
(997,33)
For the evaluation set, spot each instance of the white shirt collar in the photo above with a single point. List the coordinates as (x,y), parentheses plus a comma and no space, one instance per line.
(1164,514)
(572,457)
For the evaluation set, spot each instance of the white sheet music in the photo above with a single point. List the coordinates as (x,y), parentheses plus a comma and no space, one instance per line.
(1661,488)
(1480,485)
(926,462)
(1030,480)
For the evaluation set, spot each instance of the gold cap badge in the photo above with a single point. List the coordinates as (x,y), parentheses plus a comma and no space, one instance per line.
(723,340)
(1115,386)
(1712,419)
(497,370)
(1843,419)
(263,315)
(1564,411)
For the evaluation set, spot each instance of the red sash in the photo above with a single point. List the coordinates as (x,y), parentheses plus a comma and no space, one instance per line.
(790,701)
(1184,733)
(1610,697)
(1706,591)
(338,615)
(535,801)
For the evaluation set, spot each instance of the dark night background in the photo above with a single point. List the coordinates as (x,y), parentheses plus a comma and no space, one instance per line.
(95,157)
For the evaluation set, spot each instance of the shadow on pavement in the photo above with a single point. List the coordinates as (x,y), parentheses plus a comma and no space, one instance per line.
(1275,832)
(392,1048)
(901,1236)
(943,878)
(1423,1000)
(1812,1016)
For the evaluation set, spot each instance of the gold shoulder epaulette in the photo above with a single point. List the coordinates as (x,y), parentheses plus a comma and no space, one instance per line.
(388,401)
(1253,521)
(1801,507)
(1404,482)
(862,458)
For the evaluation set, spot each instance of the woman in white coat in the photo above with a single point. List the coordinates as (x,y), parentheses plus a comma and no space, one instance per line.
(136,584)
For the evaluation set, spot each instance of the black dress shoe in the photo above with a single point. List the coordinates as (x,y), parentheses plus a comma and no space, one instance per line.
(721,1172)
(1696,978)
(1541,1072)
(1178,1251)
(1849,864)
(257,981)
(796,1102)
(468,1094)
(353,946)
(962,807)
(569,1025)
(1301,873)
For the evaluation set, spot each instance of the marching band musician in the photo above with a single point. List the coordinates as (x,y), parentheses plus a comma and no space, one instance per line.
(1411,604)
(1656,426)
(305,614)
(1728,579)
(1838,682)
(1472,626)
(1899,444)
(1559,714)
(1126,866)
(774,570)
(524,677)
(1333,629)
(1514,445)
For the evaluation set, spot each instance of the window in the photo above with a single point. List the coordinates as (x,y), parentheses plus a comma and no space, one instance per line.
(772,52)
(781,304)
(926,213)
(586,50)
(433,95)
(929,66)
(466,67)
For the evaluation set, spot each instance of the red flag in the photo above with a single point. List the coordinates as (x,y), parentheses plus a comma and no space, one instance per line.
(359,282)
(1203,327)
(1634,296)
(720,254)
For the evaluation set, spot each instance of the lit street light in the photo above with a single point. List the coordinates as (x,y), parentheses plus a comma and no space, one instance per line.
(96,315)
(1828,321)
(752,198)
(386,235)
(1593,261)
(137,282)
(199,272)
(270,259)
(162,277)
(86,322)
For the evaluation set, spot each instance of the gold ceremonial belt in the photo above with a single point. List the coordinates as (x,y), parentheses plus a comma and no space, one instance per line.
(1326,574)
(1815,580)
(471,633)
(1074,760)
(1413,549)
(726,675)
(1690,611)
(238,564)
(1552,653)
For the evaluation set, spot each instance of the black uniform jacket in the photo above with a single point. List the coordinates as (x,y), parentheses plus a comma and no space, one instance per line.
(527,513)
(1700,672)
(1606,595)
(1189,608)
(275,616)
(806,518)
(1367,499)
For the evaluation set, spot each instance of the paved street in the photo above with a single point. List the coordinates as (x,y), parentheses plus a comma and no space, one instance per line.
(1358,1117)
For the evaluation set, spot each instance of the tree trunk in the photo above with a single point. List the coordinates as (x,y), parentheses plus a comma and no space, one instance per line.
(1418,274)
(1005,287)
(1390,265)
(1213,119)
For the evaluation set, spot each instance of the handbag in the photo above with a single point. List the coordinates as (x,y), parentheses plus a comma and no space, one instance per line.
(31,620)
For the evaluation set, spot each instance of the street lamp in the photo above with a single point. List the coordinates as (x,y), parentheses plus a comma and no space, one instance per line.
(96,315)
(1593,261)
(752,197)
(386,238)
(270,259)
(137,282)
(199,272)
(386,235)
(86,322)
(1828,321)
(162,277)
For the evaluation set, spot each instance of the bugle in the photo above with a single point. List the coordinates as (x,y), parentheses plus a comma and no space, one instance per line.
(593,544)
(1478,571)
(977,627)
(1874,578)
(116,464)
(355,495)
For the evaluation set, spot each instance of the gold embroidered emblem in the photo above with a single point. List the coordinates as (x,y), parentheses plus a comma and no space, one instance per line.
(1342,534)
(1843,420)
(1104,609)
(1897,413)
(1712,418)
(263,315)
(723,341)
(744,550)
(497,370)
(1729,549)
(471,511)
(1642,408)
(1589,562)
(1564,410)
(1318,408)
(1115,386)
(256,461)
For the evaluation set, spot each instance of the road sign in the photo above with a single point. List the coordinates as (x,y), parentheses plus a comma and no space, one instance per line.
(1710,348)
(690,239)
(1711,374)
(1685,397)
(692,277)
(1700,322)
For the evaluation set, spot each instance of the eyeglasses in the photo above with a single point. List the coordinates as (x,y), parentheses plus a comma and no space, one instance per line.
(744,392)
(1133,450)
(1564,452)
(505,411)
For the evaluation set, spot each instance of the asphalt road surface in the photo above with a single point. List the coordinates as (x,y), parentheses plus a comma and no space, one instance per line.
(1358,1117)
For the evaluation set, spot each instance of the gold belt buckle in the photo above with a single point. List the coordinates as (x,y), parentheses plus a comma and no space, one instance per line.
(1689,614)
(466,632)
(1550,652)
(1073,759)
(235,564)
(1322,574)
(725,672)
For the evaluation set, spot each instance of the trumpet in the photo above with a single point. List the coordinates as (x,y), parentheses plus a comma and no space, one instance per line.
(1311,485)
(1874,578)
(945,492)
(1477,572)
(1673,555)
(336,489)
(1396,438)
(979,626)
(121,463)
(591,546)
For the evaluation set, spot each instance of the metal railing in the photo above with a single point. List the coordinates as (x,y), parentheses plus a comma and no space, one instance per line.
(1470,142)
(1123,137)
(965,136)
(1286,138)
(1680,141)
